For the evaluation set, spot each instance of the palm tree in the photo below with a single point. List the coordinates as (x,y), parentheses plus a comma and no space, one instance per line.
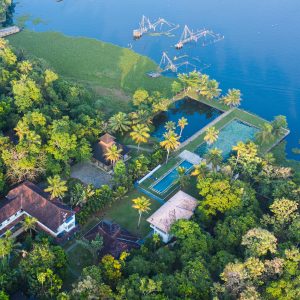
(214,157)
(211,135)
(119,123)
(141,204)
(209,88)
(183,177)
(140,134)
(29,224)
(200,170)
(182,122)
(265,135)
(113,154)
(7,247)
(278,124)
(170,126)
(141,116)
(56,187)
(170,142)
(233,98)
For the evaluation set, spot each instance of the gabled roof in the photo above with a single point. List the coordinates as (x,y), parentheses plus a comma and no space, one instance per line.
(107,138)
(105,142)
(180,206)
(30,198)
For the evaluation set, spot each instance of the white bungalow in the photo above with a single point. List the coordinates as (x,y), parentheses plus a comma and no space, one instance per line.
(27,199)
(180,206)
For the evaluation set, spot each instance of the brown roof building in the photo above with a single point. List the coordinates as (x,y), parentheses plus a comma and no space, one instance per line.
(100,149)
(28,199)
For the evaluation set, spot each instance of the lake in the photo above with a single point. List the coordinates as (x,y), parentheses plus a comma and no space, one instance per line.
(259,55)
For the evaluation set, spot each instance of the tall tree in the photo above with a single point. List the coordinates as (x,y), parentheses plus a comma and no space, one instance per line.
(29,224)
(119,123)
(170,142)
(214,157)
(113,154)
(142,205)
(233,98)
(56,187)
(140,134)
(182,122)
(211,135)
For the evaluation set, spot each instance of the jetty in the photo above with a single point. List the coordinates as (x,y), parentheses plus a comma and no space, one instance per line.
(207,37)
(9,31)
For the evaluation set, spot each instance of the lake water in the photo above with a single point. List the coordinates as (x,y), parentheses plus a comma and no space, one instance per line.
(260,53)
(197,114)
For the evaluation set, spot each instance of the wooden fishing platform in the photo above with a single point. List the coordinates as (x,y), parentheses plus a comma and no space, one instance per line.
(9,31)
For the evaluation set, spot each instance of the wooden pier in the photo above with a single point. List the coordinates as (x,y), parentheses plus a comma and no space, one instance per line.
(9,31)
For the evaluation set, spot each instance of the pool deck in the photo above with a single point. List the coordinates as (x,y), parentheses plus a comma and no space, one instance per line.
(190,145)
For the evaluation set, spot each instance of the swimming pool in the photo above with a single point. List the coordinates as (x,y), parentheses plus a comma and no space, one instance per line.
(232,133)
(169,179)
(197,114)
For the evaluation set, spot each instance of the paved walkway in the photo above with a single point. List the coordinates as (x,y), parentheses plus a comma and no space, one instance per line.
(141,148)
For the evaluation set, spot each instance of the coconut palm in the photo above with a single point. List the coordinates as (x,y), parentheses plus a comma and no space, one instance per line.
(265,135)
(113,154)
(209,88)
(182,122)
(119,123)
(200,170)
(7,247)
(278,124)
(29,224)
(170,142)
(142,205)
(183,177)
(211,135)
(56,187)
(233,98)
(140,134)
(214,157)
(141,116)
(170,126)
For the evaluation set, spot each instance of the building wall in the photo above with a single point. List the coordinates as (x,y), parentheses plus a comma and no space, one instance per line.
(165,236)
(67,226)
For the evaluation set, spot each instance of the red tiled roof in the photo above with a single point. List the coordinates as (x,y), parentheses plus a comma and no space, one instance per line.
(107,138)
(30,198)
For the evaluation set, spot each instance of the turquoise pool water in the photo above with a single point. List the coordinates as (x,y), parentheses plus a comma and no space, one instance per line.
(232,133)
(167,181)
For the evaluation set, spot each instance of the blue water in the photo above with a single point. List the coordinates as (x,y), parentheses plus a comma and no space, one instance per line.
(229,136)
(167,181)
(260,53)
(197,114)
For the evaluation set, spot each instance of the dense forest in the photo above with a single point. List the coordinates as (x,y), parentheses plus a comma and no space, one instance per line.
(242,243)
(4,5)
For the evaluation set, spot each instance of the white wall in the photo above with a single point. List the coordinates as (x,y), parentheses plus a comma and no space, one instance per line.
(165,236)
(64,227)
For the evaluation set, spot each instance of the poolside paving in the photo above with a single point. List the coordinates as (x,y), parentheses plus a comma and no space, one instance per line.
(87,173)
(190,157)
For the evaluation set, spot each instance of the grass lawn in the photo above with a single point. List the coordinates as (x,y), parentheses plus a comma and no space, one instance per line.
(112,72)
(122,213)
(78,258)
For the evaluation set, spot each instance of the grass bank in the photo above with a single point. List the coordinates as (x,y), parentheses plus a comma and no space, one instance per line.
(112,72)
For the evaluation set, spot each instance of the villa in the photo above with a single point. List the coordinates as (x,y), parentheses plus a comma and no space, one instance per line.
(100,149)
(180,206)
(27,199)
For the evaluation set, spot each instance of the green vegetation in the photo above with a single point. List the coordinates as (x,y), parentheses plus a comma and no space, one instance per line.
(123,213)
(4,4)
(111,71)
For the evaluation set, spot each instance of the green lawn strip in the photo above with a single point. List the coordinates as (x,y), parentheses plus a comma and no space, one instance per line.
(125,215)
(97,64)
(213,103)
